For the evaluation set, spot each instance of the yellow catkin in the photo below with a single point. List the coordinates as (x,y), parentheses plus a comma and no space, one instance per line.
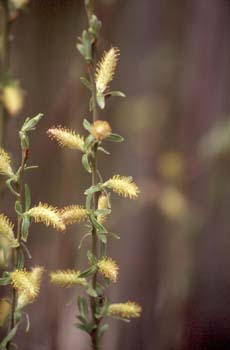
(48,215)
(5,161)
(124,186)
(106,69)
(18,4)
(103,203)
(72,214)
(125,310)
(66,138)
(13,99)
(67,278)
(173,203)
(171,165)
(108,268)
(6,230)
(5,309)
(101,130)
(27,284)
(36,274)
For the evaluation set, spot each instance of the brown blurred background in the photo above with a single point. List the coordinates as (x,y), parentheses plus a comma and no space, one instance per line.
(175,241)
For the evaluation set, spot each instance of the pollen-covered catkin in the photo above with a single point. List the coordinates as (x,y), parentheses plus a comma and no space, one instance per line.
(6,229)
(5,309)
(126,310)
(48,215)
(123,186)
(66,138)
(73,213)
(67,278)
(28,285)
(108,268)
(106,69)
(103,203)
(5,164)
(25,283)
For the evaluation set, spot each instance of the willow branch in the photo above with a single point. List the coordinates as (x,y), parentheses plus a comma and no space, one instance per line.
(21,186)
(91,72)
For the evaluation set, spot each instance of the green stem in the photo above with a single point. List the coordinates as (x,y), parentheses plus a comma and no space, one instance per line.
(21,186)
(93,301)
(91,70)
(4,59)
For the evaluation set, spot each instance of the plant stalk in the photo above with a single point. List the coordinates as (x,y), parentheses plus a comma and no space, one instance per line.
(20,185)
(95,202)
(91,71)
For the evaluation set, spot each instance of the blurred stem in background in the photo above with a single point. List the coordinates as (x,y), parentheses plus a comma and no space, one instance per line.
(4,59)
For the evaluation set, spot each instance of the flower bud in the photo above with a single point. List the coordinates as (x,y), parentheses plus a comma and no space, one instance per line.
(101,130)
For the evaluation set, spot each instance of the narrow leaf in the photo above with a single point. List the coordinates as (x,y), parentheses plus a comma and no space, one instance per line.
(115,93)
(85,163)
(27,197)
(115,138)
(86,83)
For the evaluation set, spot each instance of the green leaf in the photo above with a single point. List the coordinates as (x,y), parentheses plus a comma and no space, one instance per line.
(82,327)
(91,104)
(114,235)
(27,321)
(85,163)
(88,201)
(92,292)
(31,167)
(103,150)
(82,306)
(86,327)
(9,185)
(18,207)
(25,227)
(83,238)
(101,100)
(4,281)
(87,125)
(102,311)
(88,272)
(26,249)
(102,212)
(101,330)
(95,26)
(9,337)
(115,93)
(100,228)
(21,259)
(30,123)
(103,248)
(102,237)
(93,189)
(27,198)
(89,141)
(25,142)
(92,259)
(85,45)
(86,83)
(100,289)
(115,138)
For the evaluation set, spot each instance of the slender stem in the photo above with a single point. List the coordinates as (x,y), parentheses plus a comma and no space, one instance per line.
(91,71)
(95,201)
(16,255)
(4,59)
